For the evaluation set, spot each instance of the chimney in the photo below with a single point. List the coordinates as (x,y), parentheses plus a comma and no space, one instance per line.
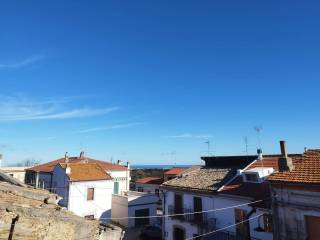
(66,157)
(68,169)
(119,162)
(81,154)
(305,149)
(128,165)
(284,162)
(259,151)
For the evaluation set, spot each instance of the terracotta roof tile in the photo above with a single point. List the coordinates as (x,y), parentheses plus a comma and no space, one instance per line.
(202,179)
(175,171)
(86,172)
(256,191)
(150,180)
(307,170)
(48,167)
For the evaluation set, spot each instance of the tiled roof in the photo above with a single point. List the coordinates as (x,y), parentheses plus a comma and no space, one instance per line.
(202,179)
(175,171)
(150,180)
(306,171)
(256,191)
(48,167)
(270,161)
(86,172)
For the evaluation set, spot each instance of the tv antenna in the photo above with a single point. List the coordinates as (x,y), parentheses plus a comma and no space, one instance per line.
(246,145)
(258,130)
(208,143)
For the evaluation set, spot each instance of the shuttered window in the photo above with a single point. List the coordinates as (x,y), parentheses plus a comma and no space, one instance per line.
(267,221)
(90,194)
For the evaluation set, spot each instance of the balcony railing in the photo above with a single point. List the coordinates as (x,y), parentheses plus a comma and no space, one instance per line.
(225,235)
(200,219)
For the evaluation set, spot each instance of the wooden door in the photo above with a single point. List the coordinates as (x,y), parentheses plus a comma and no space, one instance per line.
(178,234)
(313,227)
(242,229)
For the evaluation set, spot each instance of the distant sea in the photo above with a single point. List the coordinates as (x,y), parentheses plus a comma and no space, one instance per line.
(151,166)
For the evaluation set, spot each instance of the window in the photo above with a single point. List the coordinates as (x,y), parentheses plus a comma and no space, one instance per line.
(252,177)
(116,188)
(268,223)
(197,207)
(90,194)
(178,204)
(156,192)
(140,189)
(89,217)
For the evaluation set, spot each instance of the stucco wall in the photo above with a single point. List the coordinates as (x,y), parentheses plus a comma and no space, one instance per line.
(223,218)
(290,210)
(123,206)
(100,207)
(123,177)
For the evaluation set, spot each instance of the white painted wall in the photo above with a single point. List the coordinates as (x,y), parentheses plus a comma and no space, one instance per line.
(123,177)
(75,195)
(124,206)
(100,207)
(149,188)
(16,172)
(223,218)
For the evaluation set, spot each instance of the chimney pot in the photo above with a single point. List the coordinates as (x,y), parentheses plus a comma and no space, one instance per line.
(81,154)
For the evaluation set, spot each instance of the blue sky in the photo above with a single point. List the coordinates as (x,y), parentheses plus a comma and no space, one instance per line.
(151,81)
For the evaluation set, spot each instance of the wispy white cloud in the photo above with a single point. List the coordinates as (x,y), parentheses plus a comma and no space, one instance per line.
(22,63)
(189,135)
(22,109)
(110,127)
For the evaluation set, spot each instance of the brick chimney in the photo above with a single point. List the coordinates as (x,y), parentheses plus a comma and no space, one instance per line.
(284,162)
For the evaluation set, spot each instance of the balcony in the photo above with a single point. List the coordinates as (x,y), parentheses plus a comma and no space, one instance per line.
(225,235)
(200,219)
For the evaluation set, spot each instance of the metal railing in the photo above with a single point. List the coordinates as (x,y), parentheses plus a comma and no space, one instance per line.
(194,218)
(225,235)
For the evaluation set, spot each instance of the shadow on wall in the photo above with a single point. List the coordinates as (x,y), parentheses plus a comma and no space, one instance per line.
(104,215)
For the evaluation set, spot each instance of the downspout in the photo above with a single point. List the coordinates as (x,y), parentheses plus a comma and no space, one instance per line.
(163,213)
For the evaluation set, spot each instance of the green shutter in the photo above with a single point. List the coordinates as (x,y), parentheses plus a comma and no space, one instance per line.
(116,188)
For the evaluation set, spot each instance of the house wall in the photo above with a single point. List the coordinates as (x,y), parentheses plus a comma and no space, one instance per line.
(123,177)
(45,180)
(124,206)
(120,209)
(290,209)
(100,207)
(151,188)
(217,219)
(60,185)
(16,172)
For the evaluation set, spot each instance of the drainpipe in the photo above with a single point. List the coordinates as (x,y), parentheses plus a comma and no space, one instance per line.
(37,180)
(163,213)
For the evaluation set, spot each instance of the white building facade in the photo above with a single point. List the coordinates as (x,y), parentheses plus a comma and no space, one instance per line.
(134,204)
(87,192)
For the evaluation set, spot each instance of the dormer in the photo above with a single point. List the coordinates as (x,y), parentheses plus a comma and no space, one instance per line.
(257,174)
